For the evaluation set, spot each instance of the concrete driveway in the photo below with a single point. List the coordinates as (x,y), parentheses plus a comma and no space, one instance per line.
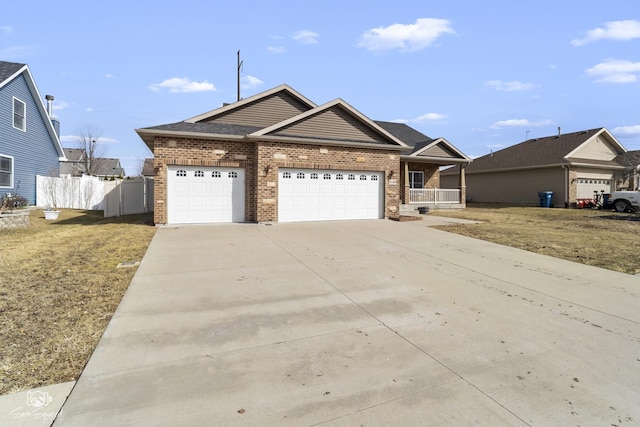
(361,323)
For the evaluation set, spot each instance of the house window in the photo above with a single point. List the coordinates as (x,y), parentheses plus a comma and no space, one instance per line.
(19,114)
(416,179)
(6,171)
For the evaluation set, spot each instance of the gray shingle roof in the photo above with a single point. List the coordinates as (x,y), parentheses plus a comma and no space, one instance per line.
(213,128)
(7,69)
(73,154)
(629,159)
(405,133)
(549,150)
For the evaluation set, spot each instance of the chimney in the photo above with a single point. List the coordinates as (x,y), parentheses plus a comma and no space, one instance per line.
(49,99)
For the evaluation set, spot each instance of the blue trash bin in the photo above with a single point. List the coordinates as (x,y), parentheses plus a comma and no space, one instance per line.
(545,198)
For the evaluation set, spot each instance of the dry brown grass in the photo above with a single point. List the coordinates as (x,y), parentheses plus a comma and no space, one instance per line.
(59,287)
(595,237)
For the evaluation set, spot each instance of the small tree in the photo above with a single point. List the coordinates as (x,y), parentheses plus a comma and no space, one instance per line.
(89,141)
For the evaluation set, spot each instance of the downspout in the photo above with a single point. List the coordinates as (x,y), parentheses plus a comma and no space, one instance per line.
(566,186)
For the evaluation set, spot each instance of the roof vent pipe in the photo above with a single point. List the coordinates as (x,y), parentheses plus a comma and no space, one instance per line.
(559,131)
(49,99)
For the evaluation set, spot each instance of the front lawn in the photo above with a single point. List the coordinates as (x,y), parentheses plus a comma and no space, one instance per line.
(59,287)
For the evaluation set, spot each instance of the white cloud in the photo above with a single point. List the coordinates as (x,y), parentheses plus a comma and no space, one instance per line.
(512,86)
(629,131)
(109,76)
(430,117)
(276,49)
(405,37)
(57,106)
(6,29)
(520,123)
(183,85)
(89,110)
(249,82)
(76,138)
(306,37)
(405,121)
(615,71)
(613,30)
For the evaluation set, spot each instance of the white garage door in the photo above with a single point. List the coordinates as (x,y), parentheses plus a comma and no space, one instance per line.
(317,195)
(197,194)
(587,186)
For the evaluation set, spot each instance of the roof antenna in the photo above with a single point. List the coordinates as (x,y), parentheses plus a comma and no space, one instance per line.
(239,68)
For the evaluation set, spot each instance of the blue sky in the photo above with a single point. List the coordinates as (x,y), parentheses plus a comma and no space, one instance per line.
(482,74)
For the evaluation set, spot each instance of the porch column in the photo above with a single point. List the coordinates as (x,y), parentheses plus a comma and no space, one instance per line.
(463,184)
(405,191)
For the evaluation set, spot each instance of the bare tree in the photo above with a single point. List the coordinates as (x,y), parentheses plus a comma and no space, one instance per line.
(89,141)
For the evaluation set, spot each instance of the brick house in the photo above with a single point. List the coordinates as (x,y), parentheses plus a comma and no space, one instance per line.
(277,156)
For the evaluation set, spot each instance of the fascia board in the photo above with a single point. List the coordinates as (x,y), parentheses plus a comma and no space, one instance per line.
(326,106)
(612,139)
(446,143)
(35,94)
(250,99)
(324,142)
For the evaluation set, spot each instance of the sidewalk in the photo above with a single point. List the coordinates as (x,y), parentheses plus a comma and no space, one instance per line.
(33,408)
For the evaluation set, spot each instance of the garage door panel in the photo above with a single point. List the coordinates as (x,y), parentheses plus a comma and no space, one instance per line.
(205,194)
(311,195)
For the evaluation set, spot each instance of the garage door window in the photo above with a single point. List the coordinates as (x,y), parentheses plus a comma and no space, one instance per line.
(339,176)
(300,175)
(233,174)
(314,176)
(198,174)
(374,177)
(286,175)
(216,174)
(351,177)
(327,176)
(181,173)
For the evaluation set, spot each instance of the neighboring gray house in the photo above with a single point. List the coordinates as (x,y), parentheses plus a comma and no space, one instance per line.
(148,170)
(29,143)
(74,165)
(629,178)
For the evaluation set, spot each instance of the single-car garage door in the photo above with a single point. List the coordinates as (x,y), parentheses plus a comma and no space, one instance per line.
(198,194)
(318,195)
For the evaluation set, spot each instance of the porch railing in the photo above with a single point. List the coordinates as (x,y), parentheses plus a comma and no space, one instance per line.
(434,195)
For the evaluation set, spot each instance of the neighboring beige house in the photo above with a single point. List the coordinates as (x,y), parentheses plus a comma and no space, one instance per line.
(573,166)
(278,156)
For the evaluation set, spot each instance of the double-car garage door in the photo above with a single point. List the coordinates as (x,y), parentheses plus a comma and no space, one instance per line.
(214,194)
(317,195)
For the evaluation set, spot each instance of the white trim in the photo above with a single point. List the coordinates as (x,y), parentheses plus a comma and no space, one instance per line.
(444,142)
(24,116)
(612,139)
(336,102)
(13,170)
(251,99)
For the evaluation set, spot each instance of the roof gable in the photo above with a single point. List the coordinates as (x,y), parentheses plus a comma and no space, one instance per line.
(602,146)
(334,121)
(438,150)
(405,133)
(263,109)
(9,71)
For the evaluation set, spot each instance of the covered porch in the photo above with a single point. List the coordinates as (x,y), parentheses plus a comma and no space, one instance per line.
(420,177)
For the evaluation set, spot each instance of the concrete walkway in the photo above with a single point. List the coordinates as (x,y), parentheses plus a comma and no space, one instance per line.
(361,323)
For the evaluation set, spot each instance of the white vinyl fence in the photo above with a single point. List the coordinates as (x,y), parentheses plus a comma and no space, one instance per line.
(115,198)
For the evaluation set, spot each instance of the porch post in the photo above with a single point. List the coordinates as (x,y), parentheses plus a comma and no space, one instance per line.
(463,184)
(405,191)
